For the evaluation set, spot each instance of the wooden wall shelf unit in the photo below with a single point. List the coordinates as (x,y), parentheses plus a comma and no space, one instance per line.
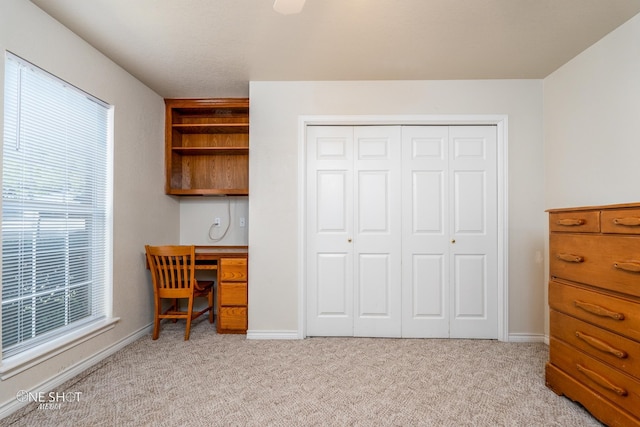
(594,301)
(207,147)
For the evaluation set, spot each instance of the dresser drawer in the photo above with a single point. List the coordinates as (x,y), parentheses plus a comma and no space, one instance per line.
(604,410)
(603,379)
(625,221)
(607,261)
(615,314)
(575,222)
(606,346)
(233,269)
(233,293)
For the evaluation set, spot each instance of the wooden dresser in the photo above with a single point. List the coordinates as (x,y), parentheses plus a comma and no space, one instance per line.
(594,300)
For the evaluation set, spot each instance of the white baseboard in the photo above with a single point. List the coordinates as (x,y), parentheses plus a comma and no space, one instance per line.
(528,338)
(10,407)
(293,335)
(273,335)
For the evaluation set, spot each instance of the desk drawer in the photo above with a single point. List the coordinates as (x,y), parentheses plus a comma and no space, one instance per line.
(233,319)
(606,346)
(575,222)
(625,221)
(615,314)
(233,269)
(603,379)
(606,261)
(233,293)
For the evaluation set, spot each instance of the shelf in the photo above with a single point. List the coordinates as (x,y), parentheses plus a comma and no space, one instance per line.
(207,105)
(211,128)
(210,192)
(200,151)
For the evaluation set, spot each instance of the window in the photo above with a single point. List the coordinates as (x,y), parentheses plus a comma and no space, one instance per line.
(55,208)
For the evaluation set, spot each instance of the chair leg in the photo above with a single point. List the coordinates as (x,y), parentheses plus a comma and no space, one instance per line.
(189,316)
(156,321)
(211,306)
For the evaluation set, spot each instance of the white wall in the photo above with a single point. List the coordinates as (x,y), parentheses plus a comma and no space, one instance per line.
(273,208)
(592,123)
(197,215)
(142,213)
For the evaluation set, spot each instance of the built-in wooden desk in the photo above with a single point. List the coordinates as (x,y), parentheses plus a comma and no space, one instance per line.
(232,280)
(231,265)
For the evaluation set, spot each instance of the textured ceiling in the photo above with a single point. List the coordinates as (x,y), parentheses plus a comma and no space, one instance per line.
(213,48)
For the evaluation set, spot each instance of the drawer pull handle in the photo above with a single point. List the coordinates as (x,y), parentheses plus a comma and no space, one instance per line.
(601,345)
(629,222)
(598,311)
(630,266)
(601,381)
(570,258)
(570,222)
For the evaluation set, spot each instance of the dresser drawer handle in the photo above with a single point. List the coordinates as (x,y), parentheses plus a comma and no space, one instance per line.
(570,258)
(601,345)
(630,266)
(597,310)
(569,222)
(629,222)
(601,381)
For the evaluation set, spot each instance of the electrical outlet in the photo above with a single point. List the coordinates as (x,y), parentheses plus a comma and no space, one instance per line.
(216,222)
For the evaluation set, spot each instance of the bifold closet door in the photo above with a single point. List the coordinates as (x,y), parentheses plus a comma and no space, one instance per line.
(353,231)
(449,231)
(401,235)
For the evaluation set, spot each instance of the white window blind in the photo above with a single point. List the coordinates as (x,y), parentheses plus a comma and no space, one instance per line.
(55,208)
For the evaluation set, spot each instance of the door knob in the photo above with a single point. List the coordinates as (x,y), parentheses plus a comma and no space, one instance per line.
(349,240)
(453,240)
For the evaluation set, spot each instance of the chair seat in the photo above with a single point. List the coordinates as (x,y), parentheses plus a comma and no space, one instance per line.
(203,285)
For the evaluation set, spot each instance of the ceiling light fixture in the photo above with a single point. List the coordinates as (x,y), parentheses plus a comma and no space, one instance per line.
(288,7)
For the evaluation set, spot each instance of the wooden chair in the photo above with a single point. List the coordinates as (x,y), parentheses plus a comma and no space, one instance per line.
(173,274)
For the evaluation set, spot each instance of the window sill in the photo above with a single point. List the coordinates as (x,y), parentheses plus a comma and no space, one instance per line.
(21,362)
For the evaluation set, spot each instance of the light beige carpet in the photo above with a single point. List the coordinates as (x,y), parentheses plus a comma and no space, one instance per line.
(226,380)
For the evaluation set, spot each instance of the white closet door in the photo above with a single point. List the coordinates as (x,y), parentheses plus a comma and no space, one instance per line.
(473,229)
(353,234)
(402,231)
(449,232)
(330,279)
(378,233)
(425,222)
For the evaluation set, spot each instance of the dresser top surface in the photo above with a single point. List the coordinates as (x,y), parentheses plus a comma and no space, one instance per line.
(635,205)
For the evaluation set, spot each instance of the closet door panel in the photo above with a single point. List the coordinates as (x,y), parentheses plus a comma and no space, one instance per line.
(331,202)
(425,245)
(427,194)
(473,233)
(374,200)
(375,286)
(332,298)
(470,287)
(377,241)
(329,252)
(428,287)
(469,200)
